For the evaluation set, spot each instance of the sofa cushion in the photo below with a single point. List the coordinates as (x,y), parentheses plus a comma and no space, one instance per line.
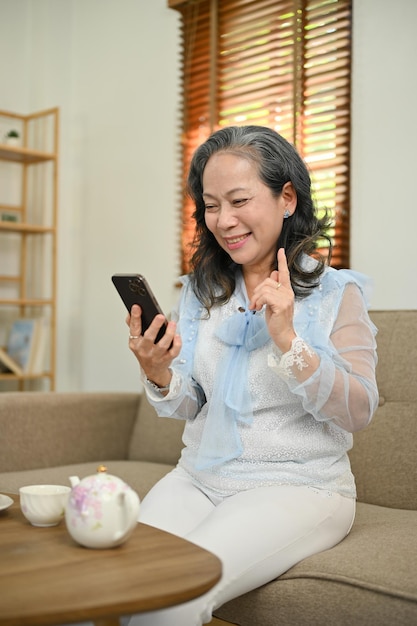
(384,461)
(387,474)
(397,354)
(364,580)
(156,439)
(141,476)
(56,429)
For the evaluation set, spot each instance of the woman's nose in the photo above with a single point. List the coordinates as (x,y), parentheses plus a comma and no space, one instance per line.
(227,218)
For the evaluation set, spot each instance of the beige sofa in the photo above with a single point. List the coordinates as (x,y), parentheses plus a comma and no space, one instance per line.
(370,579)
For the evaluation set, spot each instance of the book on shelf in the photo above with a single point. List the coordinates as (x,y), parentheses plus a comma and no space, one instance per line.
(38,364)
(7,364)
(26,345)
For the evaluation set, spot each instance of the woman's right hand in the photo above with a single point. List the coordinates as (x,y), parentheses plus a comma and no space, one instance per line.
(154,358)
(277,295)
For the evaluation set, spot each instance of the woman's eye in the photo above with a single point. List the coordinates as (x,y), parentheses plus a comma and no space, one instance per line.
(210,207)
(239,201)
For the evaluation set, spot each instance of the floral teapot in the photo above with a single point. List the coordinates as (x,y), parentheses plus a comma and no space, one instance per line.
(101,511)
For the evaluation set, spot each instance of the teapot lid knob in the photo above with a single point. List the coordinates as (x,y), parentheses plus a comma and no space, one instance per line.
(102,468)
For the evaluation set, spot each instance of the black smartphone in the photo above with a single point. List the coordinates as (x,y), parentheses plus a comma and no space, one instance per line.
(134,289)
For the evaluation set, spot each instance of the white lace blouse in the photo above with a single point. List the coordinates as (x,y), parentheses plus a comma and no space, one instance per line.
(255,417)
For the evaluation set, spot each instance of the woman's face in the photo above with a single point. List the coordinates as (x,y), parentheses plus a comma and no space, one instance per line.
(241,212)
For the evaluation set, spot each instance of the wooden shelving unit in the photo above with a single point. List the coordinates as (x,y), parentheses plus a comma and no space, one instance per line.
(28,229)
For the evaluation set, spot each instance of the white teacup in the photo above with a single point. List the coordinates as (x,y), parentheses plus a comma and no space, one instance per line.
(44,505)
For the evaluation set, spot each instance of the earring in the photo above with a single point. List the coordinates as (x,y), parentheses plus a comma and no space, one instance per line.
(286,214)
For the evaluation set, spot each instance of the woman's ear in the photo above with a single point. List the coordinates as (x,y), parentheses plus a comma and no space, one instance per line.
(289,197)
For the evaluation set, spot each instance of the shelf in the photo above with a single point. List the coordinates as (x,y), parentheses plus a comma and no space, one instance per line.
(7,376)
(21,227)
(24,155)
(25,302)
(28,233)
(11,207)
(6,278)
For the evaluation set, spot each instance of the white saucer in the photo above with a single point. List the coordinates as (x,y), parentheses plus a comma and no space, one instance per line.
(5,502)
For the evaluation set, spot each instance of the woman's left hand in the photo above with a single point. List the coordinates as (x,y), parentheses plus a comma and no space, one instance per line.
(277,294)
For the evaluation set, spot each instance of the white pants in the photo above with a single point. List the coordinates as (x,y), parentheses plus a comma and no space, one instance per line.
(257,534)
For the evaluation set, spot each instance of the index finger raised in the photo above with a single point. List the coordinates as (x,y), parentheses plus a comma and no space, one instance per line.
(283,271)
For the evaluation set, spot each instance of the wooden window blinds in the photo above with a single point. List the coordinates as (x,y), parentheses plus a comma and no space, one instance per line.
(285,64)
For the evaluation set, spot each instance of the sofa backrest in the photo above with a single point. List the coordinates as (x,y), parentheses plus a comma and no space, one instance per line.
(48,429)
(384,455)
(155,439)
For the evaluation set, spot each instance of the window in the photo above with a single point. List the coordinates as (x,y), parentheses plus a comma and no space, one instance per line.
(278,63)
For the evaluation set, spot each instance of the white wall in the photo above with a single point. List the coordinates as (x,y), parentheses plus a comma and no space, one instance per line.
(113,66)
(384,143)
(124,117)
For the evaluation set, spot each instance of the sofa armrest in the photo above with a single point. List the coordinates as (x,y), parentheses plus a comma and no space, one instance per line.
(46,429)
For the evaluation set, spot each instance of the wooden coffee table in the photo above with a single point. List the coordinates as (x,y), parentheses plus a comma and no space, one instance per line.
(46,578)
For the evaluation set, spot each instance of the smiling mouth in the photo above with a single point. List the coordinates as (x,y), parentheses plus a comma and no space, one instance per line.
(234,240)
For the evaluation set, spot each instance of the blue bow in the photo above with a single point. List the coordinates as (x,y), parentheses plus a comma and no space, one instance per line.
(231,401)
